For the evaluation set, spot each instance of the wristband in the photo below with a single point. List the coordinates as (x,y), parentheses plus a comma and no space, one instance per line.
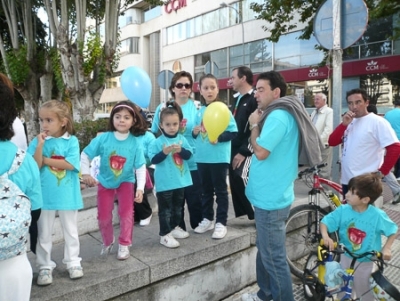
(252,126)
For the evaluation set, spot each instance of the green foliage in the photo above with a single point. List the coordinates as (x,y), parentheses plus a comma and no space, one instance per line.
(86,130)
(55,61)
(280,15)
(92,52)
(18,65)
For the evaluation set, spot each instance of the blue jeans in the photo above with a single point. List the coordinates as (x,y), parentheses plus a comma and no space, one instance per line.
(213,178)
(273,274)
(170,204)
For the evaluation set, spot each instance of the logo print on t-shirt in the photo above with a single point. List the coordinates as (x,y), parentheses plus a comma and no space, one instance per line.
(116,163)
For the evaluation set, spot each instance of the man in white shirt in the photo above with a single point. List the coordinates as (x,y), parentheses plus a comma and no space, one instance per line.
(19,138)
(322,117)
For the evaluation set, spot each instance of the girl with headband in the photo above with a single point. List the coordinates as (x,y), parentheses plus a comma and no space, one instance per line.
(120,155)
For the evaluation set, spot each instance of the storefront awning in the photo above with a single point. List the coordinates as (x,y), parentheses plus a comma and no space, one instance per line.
(112,95)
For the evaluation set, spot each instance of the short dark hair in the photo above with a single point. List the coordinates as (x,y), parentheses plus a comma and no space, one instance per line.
(357,91)
(275,79)
(396,101)
(176,77)
(366,185)
(171,108)
(8,111)
(245,71)
(139,126)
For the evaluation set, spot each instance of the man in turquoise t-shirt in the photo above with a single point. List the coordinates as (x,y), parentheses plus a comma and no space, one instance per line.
(270,188)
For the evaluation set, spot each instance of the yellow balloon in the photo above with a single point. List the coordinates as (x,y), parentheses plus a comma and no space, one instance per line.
(216,119)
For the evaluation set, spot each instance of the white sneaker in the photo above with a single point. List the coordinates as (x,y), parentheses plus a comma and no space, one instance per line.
(75,272)
(169,241)
(219,232)
(204,226)
(178,232)
(123,252)
(250,297)
(105,250)
(45,277)
(146,221)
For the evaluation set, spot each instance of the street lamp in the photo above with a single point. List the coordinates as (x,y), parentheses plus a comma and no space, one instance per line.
(224,4)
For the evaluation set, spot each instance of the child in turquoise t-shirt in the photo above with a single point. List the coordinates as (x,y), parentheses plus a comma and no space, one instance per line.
(56,151)
(360,226)
(120,155)
(170,153)
(212,158)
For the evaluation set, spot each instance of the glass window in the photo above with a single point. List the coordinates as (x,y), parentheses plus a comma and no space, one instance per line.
(220,59)
(198,26)
(248,13)
(152,13)
(236,56)
(291,52)
(260,56)
(130,45)
(130,16)
(209,21)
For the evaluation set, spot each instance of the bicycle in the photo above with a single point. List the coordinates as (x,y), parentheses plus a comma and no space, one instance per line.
(302,225)
(315,288)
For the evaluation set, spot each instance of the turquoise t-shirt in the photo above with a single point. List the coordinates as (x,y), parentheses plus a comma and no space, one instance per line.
(271,181)
(173,172)
(144,141)
(360,232)
(189,111)
(118,158)
(212,153)
(27,177)
(60,188)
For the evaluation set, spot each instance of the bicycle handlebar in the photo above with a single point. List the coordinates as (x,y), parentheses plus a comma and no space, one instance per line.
(340,249)
(312,169)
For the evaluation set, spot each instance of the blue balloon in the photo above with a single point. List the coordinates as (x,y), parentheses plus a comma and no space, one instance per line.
(136,85)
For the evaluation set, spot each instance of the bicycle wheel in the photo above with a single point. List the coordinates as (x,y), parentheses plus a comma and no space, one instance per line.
(303,235)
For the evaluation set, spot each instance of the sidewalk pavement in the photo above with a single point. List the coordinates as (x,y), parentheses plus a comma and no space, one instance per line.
(392,270)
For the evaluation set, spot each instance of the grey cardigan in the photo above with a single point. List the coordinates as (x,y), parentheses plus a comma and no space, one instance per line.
(310,145)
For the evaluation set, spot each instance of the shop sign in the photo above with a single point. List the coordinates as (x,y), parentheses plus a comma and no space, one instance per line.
(374,66)
(174,5)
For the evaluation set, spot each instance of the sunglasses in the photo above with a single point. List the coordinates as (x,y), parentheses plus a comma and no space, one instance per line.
(180,86)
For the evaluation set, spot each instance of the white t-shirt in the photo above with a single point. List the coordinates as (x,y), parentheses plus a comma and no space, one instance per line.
(19,138)
(364,143)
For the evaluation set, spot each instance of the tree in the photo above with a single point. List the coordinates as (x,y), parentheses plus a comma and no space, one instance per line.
(22,48)
(286,16)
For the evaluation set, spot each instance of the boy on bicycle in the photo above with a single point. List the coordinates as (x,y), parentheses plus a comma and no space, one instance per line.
(360,226)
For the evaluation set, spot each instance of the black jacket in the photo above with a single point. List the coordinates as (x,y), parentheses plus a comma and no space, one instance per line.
(247,105)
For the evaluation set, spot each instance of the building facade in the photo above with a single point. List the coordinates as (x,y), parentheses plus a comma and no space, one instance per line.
(204,36)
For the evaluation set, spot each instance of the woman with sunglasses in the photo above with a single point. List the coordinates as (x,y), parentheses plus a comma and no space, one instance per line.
(180,89)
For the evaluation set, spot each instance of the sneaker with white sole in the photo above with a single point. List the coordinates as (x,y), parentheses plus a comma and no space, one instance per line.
(169,241)
(219,231)
(178,232)
(250,297)
(107,249)
(45,277)
(123,252)
(75,272)
(396,198)
(204,226)
(146,221)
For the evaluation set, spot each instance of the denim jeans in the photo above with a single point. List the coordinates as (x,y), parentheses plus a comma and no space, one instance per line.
(213,178)
(273,274)
(193,201)
(170,204)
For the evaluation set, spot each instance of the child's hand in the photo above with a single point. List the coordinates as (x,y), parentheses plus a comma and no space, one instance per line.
(176,148)
(139,196)
(41,138)
(89,180)
(167,149)
(214,142)
(329,243)
(197,129)
(386,253)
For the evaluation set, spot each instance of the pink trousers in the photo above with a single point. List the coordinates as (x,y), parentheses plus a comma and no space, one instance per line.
(105,206)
